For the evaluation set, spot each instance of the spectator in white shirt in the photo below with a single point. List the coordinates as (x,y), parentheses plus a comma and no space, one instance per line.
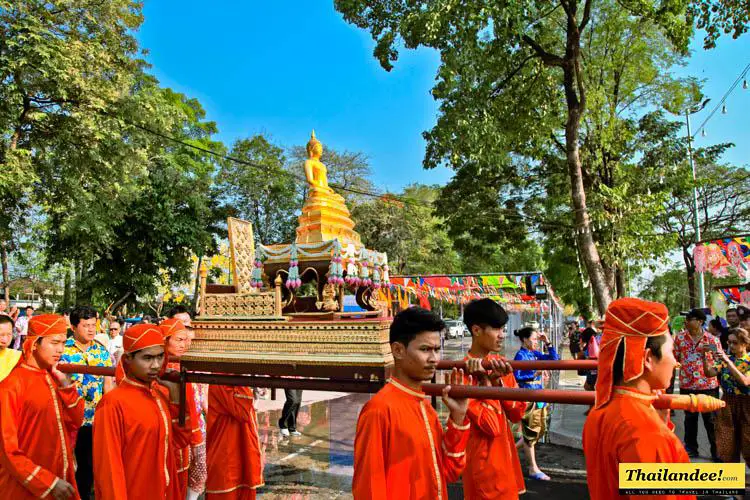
(22,327)
(115,340)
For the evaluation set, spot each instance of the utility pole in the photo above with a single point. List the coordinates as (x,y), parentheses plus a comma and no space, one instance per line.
(696,216)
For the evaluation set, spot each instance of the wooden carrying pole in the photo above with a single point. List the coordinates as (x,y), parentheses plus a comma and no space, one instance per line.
(700,403)
(568,364)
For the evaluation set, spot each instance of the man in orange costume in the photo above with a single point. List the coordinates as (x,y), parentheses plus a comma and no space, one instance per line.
(134,438)
(40,411)
(636,359)
(177,340)
(400,448)
(235,467)
(493,470)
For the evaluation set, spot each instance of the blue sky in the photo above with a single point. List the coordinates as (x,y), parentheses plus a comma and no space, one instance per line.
(284,68)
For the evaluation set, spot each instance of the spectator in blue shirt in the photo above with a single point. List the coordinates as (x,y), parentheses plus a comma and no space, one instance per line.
(534,422)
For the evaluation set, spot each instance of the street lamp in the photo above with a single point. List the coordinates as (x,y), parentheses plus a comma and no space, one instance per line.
(696,218)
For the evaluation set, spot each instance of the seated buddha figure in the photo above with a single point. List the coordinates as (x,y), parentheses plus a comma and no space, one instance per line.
(315,170)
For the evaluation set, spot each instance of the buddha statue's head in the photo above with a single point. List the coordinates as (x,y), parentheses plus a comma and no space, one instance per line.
(314,147)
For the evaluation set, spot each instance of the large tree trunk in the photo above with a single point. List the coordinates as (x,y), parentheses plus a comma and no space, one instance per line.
(690,271)
(620,284)
(6,273)
(584,236)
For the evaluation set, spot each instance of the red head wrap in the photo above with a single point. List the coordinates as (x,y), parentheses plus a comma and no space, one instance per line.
(138,337)
(631,321)
(43,325)
(171,327)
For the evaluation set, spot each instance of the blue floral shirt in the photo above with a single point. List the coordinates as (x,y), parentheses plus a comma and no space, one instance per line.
(529,379)
(90,387)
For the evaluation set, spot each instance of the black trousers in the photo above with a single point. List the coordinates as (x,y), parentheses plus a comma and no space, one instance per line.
(289,413)
(85,461)
(691,423)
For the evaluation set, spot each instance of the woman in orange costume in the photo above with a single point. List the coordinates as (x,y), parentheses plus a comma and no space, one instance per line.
(235,466)
(636,360)
(134,435)
(493,470)
(176,340)
(40,411)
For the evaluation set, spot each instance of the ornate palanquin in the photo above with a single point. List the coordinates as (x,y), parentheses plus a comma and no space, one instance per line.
(264,324)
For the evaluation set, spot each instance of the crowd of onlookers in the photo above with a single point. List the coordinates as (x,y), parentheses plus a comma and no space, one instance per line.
(714,359)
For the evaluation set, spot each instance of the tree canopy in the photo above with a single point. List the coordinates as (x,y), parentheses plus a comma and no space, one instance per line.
(551,109)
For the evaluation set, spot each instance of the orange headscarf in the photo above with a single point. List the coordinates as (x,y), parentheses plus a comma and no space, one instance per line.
(43,325)
(632,321)
(171,327)
(138,337)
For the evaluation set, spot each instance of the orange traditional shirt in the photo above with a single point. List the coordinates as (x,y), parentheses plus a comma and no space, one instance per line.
(183,454)
(135,441)
(493,470)
(628,430)
(37,419)
(401,450)
(234,459)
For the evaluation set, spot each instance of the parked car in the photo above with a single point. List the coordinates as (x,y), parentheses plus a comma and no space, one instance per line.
(455,329)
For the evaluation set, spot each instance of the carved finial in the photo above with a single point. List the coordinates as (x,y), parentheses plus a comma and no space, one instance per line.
(203,269)
(700,403)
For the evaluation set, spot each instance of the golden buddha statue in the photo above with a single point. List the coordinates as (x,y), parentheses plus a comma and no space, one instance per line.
(324,215)
(315,170)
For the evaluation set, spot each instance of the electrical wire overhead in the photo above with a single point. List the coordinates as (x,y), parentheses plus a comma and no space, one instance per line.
(721,104)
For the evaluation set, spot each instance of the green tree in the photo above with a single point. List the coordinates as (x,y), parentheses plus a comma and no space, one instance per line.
(406,228)
(486,223)
(511,73)
(161,231)
(119,231)
(61,64)
(669,289)
(720,17)
(266,194)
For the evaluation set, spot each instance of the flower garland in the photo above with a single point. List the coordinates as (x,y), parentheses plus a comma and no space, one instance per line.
(293,280)
(364,263)
(336,269)
(256,278)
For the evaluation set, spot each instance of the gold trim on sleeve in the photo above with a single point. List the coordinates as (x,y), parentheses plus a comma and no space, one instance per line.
(31,476)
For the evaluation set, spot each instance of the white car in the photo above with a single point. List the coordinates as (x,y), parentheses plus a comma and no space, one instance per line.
(455,329)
